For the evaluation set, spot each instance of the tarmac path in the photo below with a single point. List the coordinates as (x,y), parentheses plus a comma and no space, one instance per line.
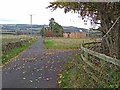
(36,67)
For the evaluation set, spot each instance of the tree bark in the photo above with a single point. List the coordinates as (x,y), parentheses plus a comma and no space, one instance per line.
(110,43)
(118,40)
(105,26)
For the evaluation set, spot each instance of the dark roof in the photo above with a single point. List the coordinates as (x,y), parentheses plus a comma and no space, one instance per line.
(74,29)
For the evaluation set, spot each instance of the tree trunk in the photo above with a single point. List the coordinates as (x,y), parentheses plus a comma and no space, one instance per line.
(118,30)
(105,24)
(110,43)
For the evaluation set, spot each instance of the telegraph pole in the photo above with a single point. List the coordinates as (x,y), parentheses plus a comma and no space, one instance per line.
(31,22)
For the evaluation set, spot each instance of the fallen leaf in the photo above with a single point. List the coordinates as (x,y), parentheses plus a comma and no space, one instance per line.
(39,77)
(24,78)
(38,69)
(47,79)
(41,69)
(59,82)
(31,81)
(36,79)
(24,72)
(46,66)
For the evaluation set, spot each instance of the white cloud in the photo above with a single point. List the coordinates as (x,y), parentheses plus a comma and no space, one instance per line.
(18,11)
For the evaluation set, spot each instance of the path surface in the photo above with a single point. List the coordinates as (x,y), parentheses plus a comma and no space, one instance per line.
(35,68)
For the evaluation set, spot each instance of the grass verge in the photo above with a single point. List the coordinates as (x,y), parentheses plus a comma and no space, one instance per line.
(74,76)
(14,52)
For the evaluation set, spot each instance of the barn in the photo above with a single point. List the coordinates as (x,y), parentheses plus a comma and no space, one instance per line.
(74,32)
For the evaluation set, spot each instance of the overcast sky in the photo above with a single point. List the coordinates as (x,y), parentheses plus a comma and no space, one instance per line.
(18,12)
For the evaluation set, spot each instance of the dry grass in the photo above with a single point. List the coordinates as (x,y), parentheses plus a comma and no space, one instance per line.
(13,38)
(64,43)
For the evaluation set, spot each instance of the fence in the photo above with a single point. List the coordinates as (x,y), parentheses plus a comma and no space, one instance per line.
(104,70)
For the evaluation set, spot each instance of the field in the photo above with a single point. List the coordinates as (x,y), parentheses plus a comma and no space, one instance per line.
(6,38)
(64,43)
(16,50)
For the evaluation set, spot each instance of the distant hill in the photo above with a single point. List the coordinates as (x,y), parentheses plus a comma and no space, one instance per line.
(20,27)
(24,27)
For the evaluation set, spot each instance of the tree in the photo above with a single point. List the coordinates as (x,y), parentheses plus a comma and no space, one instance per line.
(42,32)
(107,12)
(55,27)
(51,23)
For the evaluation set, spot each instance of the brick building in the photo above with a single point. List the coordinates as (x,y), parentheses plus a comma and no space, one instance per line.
(73,32)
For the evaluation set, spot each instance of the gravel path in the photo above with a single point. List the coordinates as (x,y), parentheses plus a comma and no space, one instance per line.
(35,68)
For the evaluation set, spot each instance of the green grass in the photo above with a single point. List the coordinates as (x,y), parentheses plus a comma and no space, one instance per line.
(74,76)
(63,43)
(14,52)
(49,43)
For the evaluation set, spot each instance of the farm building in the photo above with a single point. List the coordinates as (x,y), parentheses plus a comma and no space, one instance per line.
(73,32)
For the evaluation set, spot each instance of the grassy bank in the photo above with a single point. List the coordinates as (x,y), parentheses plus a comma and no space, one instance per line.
(14,52)
(8,38)
(74,75)
(63,43)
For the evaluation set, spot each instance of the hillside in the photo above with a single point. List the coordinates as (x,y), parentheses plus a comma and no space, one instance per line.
(20,27)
